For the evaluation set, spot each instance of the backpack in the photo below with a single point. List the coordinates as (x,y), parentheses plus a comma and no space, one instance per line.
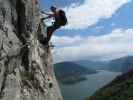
(63,18)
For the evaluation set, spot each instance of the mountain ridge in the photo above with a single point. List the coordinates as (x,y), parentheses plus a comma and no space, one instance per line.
(70,72)
(122,64)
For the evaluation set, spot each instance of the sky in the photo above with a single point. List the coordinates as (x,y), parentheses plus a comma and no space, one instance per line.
(96,30)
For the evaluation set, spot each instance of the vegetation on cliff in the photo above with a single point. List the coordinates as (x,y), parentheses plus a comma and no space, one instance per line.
(120,88)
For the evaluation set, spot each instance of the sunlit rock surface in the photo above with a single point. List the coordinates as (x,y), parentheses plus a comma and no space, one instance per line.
(26,71)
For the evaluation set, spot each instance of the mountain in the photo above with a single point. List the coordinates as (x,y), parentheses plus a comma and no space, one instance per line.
(70,72)
(97,65)
(123,64)
(120,88)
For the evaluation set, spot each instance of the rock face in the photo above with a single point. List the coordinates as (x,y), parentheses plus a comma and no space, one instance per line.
(26,71)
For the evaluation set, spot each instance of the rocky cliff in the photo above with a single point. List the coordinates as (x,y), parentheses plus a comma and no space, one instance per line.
(26,71)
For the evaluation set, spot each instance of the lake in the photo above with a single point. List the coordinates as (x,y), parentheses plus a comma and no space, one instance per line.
(81,90)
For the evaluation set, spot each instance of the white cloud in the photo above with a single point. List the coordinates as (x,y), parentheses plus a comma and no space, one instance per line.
(116,44)
(66,40)
(91,11)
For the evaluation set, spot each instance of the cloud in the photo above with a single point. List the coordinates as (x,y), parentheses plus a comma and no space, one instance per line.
(113,45)
(66,41)
(90,12)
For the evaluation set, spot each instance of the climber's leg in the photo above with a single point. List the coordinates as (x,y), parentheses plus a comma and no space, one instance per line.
(50,31)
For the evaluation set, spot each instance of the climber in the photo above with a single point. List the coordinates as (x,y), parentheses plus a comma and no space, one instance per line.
(59,20)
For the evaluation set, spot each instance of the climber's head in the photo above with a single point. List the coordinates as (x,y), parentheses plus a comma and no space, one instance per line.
(53,8)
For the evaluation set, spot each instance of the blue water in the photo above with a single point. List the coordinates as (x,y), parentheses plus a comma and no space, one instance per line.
(86,88)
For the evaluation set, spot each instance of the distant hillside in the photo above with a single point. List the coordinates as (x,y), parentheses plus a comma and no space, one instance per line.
(97,65)
(123,64)
(70,72)
(119,89)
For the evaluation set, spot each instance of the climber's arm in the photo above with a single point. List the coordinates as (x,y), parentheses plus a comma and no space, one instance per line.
(45,18)
(44,13)
(49,14)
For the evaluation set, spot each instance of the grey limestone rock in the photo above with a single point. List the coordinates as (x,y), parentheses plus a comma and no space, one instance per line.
(26,69)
